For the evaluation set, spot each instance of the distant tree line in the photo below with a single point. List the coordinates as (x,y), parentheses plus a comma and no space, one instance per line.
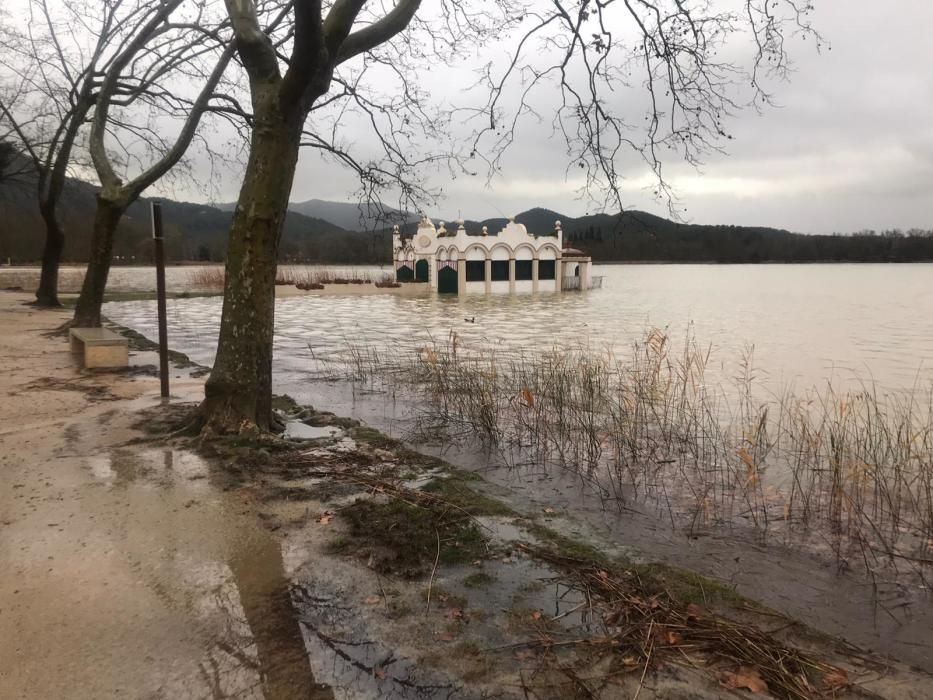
(736,244)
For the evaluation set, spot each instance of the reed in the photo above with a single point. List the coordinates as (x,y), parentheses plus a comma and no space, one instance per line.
(837,466)
(309,277)
(207,278)
(212,278)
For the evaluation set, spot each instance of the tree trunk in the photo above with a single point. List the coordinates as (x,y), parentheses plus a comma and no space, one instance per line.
(106,218)
(47,293)
(238,393)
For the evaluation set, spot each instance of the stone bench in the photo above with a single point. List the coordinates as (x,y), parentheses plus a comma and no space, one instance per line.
(102,347)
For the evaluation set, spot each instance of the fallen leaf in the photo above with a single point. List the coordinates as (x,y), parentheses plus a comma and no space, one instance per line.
(614,617)
(372,600)
(549,510)
(455,614)
(630,661)
(326,518)
(528,397)
(746,678)
(694,610)
(837,679)
(673,639)
(536,615)
(379,673)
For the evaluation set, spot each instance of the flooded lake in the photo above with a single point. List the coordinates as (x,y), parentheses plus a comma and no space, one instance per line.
(806,323)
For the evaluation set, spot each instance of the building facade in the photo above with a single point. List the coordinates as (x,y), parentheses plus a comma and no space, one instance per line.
(454,261)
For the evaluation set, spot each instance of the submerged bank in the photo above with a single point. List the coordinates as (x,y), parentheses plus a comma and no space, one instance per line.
(345,566)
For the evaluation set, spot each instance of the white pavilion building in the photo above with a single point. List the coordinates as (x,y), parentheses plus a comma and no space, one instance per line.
(512,260)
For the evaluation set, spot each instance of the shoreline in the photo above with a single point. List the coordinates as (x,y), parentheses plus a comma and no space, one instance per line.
(108,524)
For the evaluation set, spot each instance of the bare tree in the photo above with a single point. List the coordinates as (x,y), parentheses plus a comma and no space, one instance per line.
(194,50)
(49,92)
(54,69)
(584,51)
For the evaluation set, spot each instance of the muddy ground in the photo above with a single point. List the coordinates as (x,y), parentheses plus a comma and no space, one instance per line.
(332,564)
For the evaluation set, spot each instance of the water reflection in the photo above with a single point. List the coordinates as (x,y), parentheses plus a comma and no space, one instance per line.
(260,630)
(264,594)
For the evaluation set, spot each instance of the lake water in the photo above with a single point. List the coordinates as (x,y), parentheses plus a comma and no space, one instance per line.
(807,323)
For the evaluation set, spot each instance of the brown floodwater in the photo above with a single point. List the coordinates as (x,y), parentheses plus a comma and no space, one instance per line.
(806,324)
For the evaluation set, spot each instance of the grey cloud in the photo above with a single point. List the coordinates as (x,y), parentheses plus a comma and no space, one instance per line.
(848,147)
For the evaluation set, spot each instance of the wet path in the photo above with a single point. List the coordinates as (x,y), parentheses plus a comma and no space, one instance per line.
(125,572)
(131,570)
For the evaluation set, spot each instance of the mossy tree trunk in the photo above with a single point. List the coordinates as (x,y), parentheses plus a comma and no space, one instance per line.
(238,393)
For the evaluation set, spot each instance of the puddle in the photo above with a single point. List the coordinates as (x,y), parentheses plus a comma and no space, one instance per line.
(346,658)
(302,431)
(264,631)
(153,467)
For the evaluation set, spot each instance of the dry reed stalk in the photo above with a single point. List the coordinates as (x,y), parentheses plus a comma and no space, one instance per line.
(650,426)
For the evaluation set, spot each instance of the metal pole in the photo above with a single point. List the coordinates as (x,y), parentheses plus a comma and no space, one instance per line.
(160,294)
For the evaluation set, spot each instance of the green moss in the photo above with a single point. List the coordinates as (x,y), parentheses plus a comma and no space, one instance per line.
(139,342)
(479,579)
(69,300)
(470,648)
(682,585)
(284,403)
(403,539)
(373,438)
(453,489)
(464,475)
(441,595)
(687,586)
(567,546)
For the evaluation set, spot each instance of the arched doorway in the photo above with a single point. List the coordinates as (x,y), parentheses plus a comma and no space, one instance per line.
(404,273)
(421,271)
(447,282)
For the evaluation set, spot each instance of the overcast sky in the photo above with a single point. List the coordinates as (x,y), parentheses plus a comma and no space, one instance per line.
(849,147)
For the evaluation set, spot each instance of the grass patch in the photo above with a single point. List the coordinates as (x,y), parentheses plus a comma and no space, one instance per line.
(70,300)
(454,489)
(687,587)
(139,342)
(567,546)
(479,579)
(376,440)
(373,438)
(403,539)
(682,585)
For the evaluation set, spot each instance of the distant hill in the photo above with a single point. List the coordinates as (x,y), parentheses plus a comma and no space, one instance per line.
(193,231)
(339,232)
(351,216)
(637,236)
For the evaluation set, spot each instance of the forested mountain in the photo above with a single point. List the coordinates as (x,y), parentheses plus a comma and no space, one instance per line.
(636,236)
(199,232)
(192,231)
